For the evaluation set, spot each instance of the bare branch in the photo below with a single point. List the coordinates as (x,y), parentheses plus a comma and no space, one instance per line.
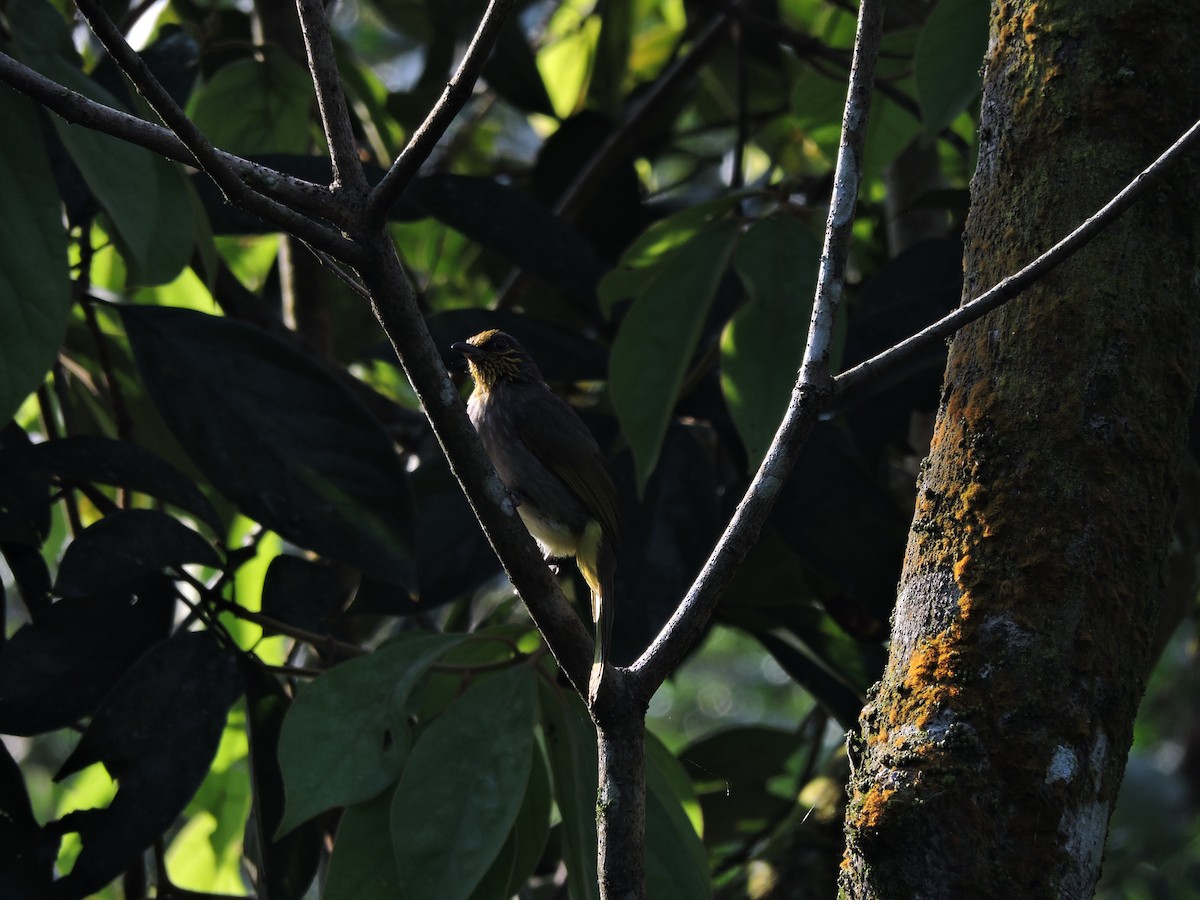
(205,154)
(331,100)
(1014,284)
(453,99)
(77,109)
(811,389)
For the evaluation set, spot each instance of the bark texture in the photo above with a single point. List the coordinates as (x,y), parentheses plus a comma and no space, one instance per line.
(990,754)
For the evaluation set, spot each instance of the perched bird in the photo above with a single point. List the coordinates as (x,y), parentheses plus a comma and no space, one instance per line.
(550,464)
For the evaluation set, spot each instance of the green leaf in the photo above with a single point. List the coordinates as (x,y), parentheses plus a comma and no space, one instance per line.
(463,785)
(947,60)
(362,866)
(676,863)
(658,337)
(571,749)
(763,345)
(347,734)
(146,212)
(35,288)
(276,433)
(124,545)
(261,104)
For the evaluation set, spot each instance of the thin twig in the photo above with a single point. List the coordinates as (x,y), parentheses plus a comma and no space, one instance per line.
(1014,284)
(348,172)
(454,97)
(235,190)
(811,389)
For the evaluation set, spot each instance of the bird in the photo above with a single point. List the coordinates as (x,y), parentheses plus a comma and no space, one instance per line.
(551,466)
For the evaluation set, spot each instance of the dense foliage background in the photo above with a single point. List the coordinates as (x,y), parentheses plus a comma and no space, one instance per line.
(237,571)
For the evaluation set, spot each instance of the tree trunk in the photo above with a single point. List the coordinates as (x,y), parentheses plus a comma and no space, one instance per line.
(990,754)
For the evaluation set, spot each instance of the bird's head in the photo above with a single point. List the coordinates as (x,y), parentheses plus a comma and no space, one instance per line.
(494,356)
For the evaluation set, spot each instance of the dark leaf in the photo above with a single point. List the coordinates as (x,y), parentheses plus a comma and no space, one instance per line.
(512,224)
(463,785)
(347,735)
(303,592)
(35,298)
(512,72)
(125,545)
(276,433)
(362,866)
(32,576)
(24,494)
(676,863)
(55,671)
(664,540)
(571,749)
(101,460)
(173,57)
(286,867)
(948,59)
(156,733)
(27,860)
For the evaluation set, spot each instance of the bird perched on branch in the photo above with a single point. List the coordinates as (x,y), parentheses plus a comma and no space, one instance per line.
(550,464)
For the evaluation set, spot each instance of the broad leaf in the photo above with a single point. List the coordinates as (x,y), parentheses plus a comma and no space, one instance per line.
(286,867)
(676,863)
(571,749)
(156,733)
(98,460)
(658,338)
(260,104)
(462,787)
(35,297)
(763,345)
(54,671)
(948,59)
(144,211)
(125,545)
(362,866)
(347,734)
(28,861)
(276,433)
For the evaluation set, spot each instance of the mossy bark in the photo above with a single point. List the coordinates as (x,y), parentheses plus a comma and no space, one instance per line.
(990,754)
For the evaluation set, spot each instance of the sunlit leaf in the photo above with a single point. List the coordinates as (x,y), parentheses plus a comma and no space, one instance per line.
(676,862)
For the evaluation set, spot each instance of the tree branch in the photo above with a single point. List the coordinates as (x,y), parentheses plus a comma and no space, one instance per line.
(811,390)
(454,97)
(235,190)
(1010,287)
(331,101)
(77,109)
(396,308)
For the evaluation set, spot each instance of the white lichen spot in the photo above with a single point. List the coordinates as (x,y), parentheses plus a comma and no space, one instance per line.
(1082,832)
(1063,765)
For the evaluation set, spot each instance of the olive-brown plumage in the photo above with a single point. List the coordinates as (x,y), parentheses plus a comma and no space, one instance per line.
(549,462)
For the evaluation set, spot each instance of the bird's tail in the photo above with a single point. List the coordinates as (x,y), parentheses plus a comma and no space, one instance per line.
(598,562)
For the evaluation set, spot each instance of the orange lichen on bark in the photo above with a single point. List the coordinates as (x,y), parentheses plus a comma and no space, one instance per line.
(873,807)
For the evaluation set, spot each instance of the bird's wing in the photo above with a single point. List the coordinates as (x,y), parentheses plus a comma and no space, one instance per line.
(556,435)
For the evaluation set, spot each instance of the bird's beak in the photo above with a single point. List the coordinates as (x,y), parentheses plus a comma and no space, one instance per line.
(468,350)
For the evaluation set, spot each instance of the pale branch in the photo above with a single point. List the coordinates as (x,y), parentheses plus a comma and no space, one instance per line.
(210,162)
(396,308)
(454,97)
(77,109)
(1009,288)
(331,102)
(812,387)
